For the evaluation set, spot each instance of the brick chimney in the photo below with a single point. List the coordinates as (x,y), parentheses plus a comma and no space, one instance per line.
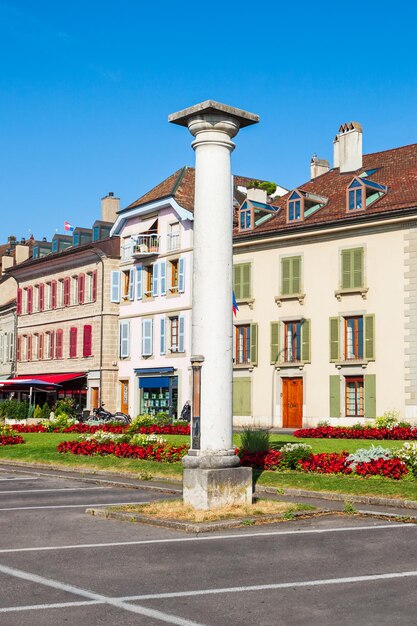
(109,207)
(348,147)
(257,195)
(318,166)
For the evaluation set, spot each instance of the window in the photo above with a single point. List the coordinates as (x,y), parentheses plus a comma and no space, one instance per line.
(173,322)
(148,277)
(48,296)
(174,276)
(242,281)
(363,192)
(353,337)
(55,245)
(357,341)
(124,339)
(59,342)
(89,287)
(96,233)
(73,342)
(19,302)
(245,218)
(174,236)
(67,291)
(81,288)
(41,297)
(242,344)
(60,293)
(2,339)
(35,347)
(352,268)
(53,294)
(75,290)
(354,396)
(76,239)
(292,342)
(291,276)
(295,208)
(29,302)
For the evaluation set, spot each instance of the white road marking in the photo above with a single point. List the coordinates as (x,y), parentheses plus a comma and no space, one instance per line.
(7,479)
(58,489)
(97,597)
(71,506)
(41,607)
(303,583)
(146,542)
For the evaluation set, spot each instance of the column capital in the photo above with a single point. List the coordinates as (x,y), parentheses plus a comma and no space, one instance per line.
(213,112)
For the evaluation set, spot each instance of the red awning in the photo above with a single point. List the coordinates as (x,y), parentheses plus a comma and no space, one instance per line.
(51,378)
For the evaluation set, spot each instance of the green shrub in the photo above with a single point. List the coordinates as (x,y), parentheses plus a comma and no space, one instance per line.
(294,452)
(388,420)
(59,422)
(254,440)
(45,411)
(65,406)
(37,413)
(13,409)
(31,410)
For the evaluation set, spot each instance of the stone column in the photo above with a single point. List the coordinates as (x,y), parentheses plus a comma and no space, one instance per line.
(213,125)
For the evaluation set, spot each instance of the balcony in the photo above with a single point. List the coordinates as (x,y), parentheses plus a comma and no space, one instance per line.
(145,245)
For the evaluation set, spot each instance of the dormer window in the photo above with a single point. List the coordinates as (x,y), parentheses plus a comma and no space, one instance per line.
(245,219)
(301,204)
(362,192)
(253,213)
(295,208)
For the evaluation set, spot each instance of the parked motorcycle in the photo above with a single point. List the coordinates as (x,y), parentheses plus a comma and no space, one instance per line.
(100,414)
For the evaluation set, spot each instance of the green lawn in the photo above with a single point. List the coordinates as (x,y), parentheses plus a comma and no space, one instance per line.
(41,448)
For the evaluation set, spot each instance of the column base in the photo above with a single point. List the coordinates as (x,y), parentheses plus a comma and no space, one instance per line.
(215,459)
(214,488)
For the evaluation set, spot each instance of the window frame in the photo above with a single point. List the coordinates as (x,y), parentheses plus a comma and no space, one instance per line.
(356,380)
(242,347)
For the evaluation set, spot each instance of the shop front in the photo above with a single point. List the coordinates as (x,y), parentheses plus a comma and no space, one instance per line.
(47,388)
(158,391)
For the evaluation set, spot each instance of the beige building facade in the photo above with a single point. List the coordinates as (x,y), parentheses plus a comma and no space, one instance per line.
(327,295)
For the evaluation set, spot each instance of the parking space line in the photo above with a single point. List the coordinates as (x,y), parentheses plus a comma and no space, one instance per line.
(14,478)
(41,607)
(303,583)
(46,490)
(71,506)
(147,542)
(97,597)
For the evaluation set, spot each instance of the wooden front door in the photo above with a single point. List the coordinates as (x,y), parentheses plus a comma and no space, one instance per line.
(292,402)
(124,398)
(94,398)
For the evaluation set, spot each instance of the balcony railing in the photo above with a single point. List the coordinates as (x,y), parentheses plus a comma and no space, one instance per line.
(145,245)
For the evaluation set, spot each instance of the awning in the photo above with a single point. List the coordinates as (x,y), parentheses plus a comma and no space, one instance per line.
(51,378)
(25,383)
(151,371)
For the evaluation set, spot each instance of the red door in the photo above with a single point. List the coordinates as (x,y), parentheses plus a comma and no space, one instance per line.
(292,402)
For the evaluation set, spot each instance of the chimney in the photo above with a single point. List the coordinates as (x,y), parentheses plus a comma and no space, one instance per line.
(22,253)
(257,195)
(318,166)
(6,261)
(348,147)
(109,208)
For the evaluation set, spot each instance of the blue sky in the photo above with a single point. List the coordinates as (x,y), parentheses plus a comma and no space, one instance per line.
(86,88)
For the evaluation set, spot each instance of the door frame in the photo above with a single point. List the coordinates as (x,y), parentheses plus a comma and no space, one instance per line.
(284,381)
(123,385)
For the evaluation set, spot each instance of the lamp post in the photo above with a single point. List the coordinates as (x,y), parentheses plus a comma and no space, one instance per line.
(211,475)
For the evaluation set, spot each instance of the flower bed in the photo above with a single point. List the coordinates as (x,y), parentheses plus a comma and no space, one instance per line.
(341,432)
(163,453)
(10,440)
(337,463)
(169,429)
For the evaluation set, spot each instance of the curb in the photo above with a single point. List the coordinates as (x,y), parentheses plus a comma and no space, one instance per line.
(202,527)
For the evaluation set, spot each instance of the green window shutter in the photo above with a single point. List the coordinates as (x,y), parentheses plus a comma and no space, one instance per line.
(242,397)
(237,281)
(370,395)
(346,269)
(275,328)
(357,267)
(369,337)
(334,339)
(305,341)
(242,281)
(254,344)
(285,277)
(246,281)
(296,274)
(334,396)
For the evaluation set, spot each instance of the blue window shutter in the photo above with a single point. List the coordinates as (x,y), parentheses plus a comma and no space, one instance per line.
(163,278)
(162,335)
(139,282)
(181,275)
(155,269)
(115,286)
(147,337)
(124,339)
(181,333)
(132,284)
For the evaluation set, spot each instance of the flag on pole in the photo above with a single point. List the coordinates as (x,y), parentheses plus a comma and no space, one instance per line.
(235,307)
(68,227)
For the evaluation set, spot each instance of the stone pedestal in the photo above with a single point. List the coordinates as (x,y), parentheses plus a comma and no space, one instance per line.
(214,488)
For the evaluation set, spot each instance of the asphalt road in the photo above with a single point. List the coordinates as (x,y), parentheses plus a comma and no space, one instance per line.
(60,566)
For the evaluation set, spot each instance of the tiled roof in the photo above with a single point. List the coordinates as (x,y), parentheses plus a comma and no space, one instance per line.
(180,186)
(396,168)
